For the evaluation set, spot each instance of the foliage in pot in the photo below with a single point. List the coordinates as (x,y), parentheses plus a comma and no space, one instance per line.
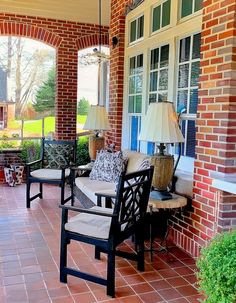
(30,150)
(217,269)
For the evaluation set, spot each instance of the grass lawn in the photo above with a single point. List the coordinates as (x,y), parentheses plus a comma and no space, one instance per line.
(34,127)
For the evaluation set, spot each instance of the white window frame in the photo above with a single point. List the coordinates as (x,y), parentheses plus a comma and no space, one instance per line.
(192,15)
(185,116)
(160,3)
(167,35)
(136,33)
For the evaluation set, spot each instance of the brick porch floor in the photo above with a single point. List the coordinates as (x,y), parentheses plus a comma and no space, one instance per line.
(29,258)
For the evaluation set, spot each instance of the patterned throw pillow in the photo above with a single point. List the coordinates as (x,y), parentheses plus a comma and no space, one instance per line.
(108,166)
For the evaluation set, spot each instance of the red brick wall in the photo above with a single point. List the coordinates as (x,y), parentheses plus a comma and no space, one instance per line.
(216,135)
(67,38)
(214,210)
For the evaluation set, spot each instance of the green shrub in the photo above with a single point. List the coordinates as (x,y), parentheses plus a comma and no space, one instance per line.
(82,151)
(217,269)
(30,150)
(5,143)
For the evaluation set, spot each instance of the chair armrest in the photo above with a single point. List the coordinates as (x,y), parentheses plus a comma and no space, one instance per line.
(34,162)
(106,194)
(87,211)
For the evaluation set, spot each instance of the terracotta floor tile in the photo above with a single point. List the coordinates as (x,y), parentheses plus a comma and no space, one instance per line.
(187,290)
(169,294)
(160,284)
(29,254)
(177,281)
(151,297)
(87,297)
(142,288)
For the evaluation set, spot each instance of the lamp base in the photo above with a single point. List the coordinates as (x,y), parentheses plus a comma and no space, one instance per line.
(95,144)
(160,195)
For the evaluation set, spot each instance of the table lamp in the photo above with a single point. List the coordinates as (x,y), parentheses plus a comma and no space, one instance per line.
(97,120)
(160,125)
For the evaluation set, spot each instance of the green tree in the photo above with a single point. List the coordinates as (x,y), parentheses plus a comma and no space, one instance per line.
(45,95)
(83,106)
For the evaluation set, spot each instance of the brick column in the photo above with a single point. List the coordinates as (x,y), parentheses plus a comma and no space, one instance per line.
(216,133)
(117,28)
(66,105)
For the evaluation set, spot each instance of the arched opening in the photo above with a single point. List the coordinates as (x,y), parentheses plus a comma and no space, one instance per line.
(93,79)
(27,86)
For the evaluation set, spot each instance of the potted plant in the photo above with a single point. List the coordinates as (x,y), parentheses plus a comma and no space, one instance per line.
(217,269)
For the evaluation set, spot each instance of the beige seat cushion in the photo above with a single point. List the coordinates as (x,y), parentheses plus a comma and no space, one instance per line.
(90,187)
(91,225)
(49,174)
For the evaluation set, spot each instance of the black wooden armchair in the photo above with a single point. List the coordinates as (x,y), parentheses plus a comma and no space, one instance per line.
(106,228)
(54,167)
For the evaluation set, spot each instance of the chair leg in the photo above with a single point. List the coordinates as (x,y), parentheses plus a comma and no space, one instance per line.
(139,237)
(62,193)
(28,194)
(111,274)
(63,257)
(72,193)
(40,190)
(97,253)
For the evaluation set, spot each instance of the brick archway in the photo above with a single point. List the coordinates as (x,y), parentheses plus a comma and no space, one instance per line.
(92,40)
(67,37)
(30,31)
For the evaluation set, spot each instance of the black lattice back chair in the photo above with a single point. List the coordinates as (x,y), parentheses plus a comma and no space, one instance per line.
(106,228)
(53,167)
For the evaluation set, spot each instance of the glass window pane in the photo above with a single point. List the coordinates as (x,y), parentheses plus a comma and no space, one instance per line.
(183,76)
(156,18)
(182,100)
(138,83)
(198,5)
(132,66)
(138,104)
(162,97)
(153,81)
(133,31)
(184,53)
(152,98)
(195,73)
(131,104)
(166,13)
(193,101)
(132,85)
(187,8)
(164,56)
(139,63)
(163,81)
(191,138)
(196,46)
(140,27)
(154,58)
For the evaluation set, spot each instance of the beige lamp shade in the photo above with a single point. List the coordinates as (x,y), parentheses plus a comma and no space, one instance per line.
(160,124)
(97,119)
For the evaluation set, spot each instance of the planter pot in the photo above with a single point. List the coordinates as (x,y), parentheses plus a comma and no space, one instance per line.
(14,174)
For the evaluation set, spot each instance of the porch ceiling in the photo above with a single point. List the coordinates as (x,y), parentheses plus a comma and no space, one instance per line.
(85,11)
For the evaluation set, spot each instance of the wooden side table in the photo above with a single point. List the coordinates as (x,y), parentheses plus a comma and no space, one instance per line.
(166,209)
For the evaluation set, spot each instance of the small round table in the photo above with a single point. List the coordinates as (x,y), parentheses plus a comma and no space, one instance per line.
(166,209)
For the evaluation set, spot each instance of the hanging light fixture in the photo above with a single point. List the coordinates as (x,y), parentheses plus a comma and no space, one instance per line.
(97,55)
